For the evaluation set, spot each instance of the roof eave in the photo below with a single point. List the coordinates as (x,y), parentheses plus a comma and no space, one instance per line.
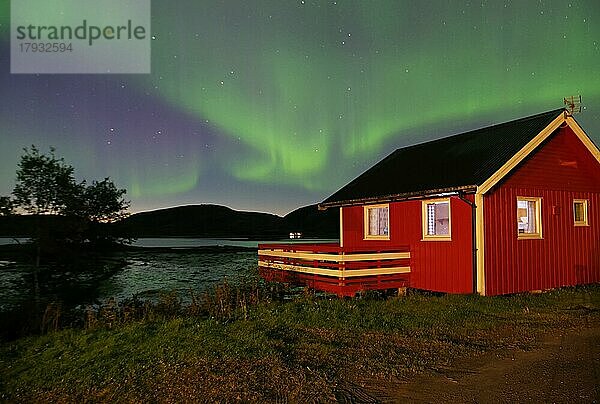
(429,193)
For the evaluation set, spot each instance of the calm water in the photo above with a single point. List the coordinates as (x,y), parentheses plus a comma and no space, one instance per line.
(9,240)
(148,274)
(145,273)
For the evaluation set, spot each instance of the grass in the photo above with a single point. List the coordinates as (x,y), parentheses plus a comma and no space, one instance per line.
(308,349)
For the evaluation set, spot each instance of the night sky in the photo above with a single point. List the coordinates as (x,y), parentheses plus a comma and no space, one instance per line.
(271,105)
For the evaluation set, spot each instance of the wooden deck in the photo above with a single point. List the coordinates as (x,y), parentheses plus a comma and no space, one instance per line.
(331,268)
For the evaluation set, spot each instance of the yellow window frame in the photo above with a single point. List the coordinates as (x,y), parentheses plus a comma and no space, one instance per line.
(368,236)
(585,221)
(425,224)
(538,218)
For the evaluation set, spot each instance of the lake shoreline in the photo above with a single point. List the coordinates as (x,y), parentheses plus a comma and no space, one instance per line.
(23,248)
(201,243)
(82,277)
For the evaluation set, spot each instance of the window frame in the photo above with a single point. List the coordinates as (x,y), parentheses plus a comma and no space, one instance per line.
(539,234)
(585,221)
(425,224)
(366,226)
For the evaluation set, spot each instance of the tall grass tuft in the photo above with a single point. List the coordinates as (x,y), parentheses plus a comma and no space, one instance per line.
(51,318)
(225,302)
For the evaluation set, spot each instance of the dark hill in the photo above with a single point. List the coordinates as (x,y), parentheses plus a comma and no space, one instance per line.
(220,221)
(313,222)
(198,221)
(201,221)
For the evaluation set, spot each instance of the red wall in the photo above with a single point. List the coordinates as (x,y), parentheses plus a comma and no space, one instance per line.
(562,170)
(443,266)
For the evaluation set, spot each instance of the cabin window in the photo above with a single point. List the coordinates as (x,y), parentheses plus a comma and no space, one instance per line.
(436,219)
(580,212)
(377,222)
(529,222)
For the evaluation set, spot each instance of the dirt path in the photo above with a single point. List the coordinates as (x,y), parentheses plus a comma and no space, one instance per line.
(565,368)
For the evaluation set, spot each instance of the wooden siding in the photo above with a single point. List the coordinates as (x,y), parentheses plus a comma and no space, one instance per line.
(443,266)
(561,171)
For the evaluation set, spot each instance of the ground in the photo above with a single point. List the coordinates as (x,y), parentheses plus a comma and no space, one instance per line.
(565,368)
(420,348)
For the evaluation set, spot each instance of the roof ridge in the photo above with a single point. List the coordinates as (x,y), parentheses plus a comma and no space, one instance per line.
(514,121)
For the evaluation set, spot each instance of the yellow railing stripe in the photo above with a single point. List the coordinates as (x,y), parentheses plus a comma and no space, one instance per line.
(335,257)
(347,273)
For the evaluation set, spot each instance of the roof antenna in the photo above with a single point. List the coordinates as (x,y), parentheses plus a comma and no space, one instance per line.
(572,104)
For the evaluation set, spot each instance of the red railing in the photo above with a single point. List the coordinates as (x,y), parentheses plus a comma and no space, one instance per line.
(333,268)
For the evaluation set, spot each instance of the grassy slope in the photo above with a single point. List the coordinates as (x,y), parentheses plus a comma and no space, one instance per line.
(301,350)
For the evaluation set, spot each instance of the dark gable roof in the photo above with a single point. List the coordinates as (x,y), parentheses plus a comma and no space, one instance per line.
(460,161)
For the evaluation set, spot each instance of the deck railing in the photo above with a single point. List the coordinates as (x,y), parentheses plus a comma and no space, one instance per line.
(330,267)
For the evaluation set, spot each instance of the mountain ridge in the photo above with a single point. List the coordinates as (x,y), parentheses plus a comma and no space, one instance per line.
(202,220)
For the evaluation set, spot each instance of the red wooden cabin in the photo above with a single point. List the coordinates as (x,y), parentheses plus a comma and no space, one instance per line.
(508,208)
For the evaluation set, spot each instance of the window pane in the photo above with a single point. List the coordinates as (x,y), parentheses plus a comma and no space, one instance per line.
(431,219)
(442,220)
(579,208)
(383,221)
(580,212)
(438,219)
(526,217)
(373,220)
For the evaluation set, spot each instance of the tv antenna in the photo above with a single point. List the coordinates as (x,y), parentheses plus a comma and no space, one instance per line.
(573,104)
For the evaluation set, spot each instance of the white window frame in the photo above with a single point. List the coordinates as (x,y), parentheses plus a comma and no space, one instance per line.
(585,221)
(366,226)
(538,218)
(425,222)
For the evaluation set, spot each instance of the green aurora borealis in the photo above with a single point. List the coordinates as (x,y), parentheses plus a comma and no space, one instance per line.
(269,105)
